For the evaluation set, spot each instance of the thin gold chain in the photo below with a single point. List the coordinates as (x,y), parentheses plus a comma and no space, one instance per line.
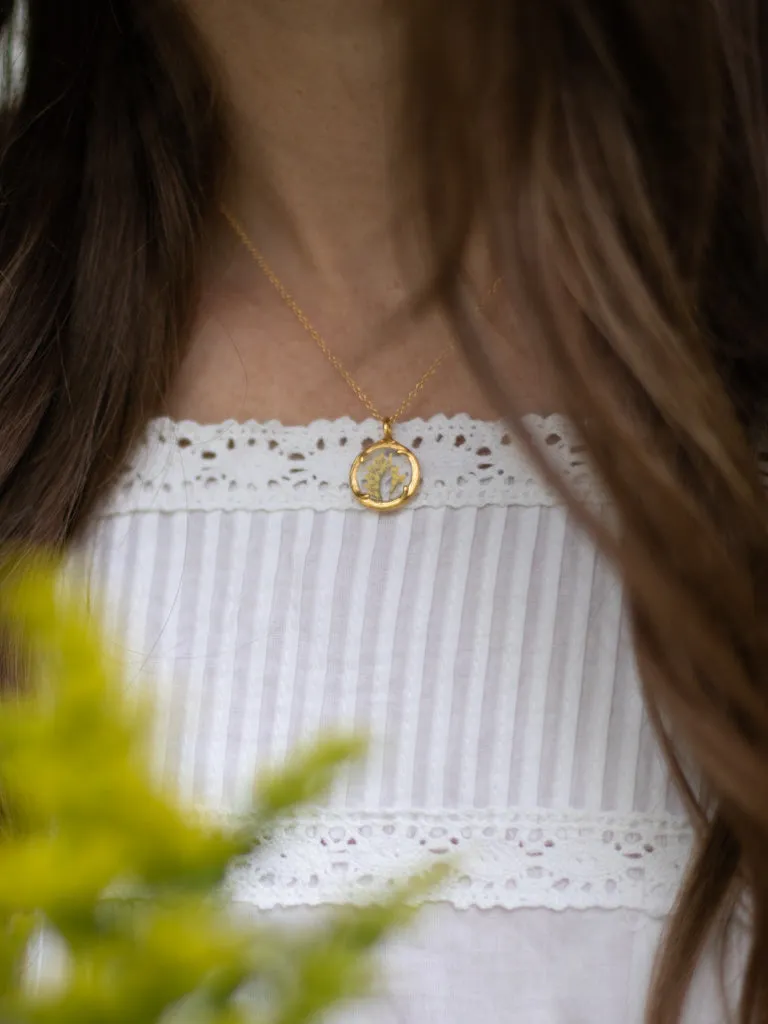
(320,341)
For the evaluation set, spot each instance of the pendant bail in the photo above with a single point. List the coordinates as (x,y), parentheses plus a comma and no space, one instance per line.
(387,425)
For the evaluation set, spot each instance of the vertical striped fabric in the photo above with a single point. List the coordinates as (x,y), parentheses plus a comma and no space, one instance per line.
(483,650)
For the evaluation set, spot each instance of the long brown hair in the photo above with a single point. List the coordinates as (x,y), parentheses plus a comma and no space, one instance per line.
(616,153)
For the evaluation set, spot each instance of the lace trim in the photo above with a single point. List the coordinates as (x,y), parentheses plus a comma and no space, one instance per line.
(228,466)
(503,859)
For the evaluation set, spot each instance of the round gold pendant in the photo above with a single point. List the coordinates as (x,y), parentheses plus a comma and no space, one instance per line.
(385,475)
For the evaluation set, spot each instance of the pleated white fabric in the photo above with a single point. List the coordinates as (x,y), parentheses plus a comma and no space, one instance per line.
(480,642)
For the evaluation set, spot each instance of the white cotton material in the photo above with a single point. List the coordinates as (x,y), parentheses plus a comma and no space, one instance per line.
(478,639)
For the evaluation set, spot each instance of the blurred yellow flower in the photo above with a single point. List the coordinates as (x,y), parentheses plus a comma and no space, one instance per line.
(127,881)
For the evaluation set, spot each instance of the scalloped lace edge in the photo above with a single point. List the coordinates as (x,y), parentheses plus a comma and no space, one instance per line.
(184,465)
(506,859)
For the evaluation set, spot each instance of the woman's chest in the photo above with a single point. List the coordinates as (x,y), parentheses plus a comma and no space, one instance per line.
(484,653)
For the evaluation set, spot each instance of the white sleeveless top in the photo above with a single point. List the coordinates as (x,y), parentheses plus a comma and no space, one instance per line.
(476,637)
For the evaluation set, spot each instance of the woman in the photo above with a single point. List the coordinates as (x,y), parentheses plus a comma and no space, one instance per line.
(514,233)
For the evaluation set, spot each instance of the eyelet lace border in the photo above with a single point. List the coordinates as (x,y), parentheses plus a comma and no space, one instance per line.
(506,859)
(184,465)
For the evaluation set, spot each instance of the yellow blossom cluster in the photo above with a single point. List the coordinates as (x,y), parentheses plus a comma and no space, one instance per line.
(131,885)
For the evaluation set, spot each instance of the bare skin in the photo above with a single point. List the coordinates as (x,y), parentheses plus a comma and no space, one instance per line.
(311,91)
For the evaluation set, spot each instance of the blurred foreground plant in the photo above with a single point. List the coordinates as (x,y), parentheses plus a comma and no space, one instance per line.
(128,883)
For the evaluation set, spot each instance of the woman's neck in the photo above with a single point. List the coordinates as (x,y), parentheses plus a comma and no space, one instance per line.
(311,94)
(311,91)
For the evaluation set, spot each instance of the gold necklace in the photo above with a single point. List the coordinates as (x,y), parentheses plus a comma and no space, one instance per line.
(386,474)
